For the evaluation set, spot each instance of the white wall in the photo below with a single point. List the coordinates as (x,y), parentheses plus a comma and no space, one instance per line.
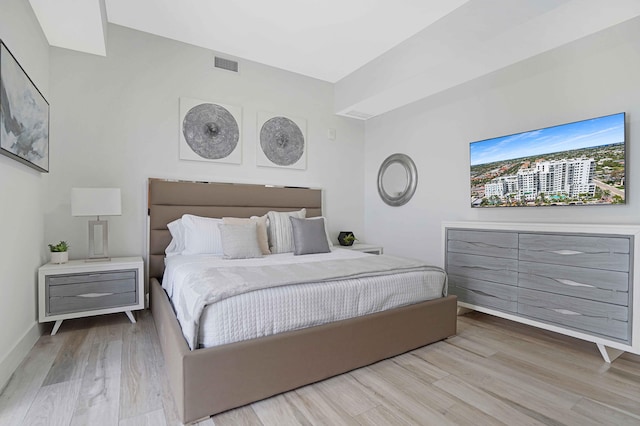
(21,203)
(591,77)
(115,123)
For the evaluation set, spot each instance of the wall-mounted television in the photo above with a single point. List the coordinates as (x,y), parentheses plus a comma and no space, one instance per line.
(581,163)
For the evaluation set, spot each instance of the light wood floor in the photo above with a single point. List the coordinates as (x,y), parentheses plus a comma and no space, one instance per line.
(107,371)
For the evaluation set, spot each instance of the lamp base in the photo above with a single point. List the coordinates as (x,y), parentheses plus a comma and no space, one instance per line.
(98,252)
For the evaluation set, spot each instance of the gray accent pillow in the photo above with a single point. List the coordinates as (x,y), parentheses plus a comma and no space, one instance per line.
(309,236)
(240,241)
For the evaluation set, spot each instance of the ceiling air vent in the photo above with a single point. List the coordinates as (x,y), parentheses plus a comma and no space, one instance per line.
(226,64)
(358,114)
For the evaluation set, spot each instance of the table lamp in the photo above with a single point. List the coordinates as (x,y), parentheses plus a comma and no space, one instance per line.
(97,202)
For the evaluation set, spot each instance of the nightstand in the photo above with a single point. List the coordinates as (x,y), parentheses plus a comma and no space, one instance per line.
(367,248)
(79,289)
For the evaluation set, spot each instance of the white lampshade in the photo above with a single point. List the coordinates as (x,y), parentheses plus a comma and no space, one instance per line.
(96,202)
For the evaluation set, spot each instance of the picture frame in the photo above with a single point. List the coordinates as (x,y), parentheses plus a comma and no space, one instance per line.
(210,131)
(24,115)
(282,141)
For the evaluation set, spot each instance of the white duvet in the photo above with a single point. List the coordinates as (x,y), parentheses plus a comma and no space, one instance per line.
(284,308)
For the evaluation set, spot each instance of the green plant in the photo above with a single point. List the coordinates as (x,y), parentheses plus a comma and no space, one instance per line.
(350,238)
(60,247)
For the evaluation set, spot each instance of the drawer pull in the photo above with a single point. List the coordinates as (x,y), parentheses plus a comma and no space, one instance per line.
(573,283)
(482,293)
(567,252)
(566,312)
(480,267)
(484,245)
(95,295)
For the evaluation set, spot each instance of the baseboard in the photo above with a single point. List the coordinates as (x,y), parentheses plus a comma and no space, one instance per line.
(17,353)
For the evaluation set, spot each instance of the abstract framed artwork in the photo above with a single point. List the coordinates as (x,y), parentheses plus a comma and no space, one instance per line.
(24,115)
(210,131)
(281,141)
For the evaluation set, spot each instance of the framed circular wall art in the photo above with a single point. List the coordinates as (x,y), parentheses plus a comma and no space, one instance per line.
(281,141)
(210,131)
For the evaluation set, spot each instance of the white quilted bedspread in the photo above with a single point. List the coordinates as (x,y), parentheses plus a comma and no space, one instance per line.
(284,308)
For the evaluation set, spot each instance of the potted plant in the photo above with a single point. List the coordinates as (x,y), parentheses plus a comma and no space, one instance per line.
(346,238)
(59,252)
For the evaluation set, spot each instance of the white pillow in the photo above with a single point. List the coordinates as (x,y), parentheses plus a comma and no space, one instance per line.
(201,235)
(176,246)
(261,232)
(280,230)
(240,241)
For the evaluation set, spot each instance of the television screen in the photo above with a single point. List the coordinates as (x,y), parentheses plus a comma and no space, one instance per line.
(581,163)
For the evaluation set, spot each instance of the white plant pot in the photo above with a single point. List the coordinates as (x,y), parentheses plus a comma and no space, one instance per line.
(59,256)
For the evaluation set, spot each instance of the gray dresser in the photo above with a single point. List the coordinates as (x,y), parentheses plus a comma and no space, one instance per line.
(576,280)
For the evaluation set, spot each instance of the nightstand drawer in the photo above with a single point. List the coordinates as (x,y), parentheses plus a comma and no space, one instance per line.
(97,290)
(89,301)
(113,286)
(96,277)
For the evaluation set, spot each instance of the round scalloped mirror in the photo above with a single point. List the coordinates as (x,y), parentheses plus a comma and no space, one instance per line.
(397,179)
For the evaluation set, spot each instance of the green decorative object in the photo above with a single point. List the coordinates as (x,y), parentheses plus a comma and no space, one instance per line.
(346,238)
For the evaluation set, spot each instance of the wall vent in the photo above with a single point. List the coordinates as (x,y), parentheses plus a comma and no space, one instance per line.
(226,64)
(358,114)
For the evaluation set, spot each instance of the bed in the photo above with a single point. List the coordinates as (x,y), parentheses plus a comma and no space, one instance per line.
(210,380)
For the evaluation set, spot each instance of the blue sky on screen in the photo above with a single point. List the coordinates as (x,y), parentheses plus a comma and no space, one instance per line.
(582,134)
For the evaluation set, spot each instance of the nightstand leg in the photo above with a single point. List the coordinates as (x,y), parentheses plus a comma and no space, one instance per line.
(56,326)
(130,315)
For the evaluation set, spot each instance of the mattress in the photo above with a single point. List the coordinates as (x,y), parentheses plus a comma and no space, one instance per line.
(285,308)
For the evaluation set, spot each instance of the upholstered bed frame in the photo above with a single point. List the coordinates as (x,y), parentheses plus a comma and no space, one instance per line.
(208,381)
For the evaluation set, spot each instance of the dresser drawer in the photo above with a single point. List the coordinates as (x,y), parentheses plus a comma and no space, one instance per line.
(586,315)
(595,252)
(496,244)
(486,268)
(484,293)
(594,284)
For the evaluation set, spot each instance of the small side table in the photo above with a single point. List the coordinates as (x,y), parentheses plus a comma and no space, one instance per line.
(80,289)
(366,248)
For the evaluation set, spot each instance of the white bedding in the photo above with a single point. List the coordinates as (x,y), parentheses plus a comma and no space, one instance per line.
(284,308)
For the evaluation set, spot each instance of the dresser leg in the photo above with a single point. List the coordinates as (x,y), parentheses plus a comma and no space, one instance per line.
(131,317)
(56,326)
(609,354)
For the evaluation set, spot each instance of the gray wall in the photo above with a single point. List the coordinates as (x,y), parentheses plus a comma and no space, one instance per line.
(115,123)
(21,218)
(594,76)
